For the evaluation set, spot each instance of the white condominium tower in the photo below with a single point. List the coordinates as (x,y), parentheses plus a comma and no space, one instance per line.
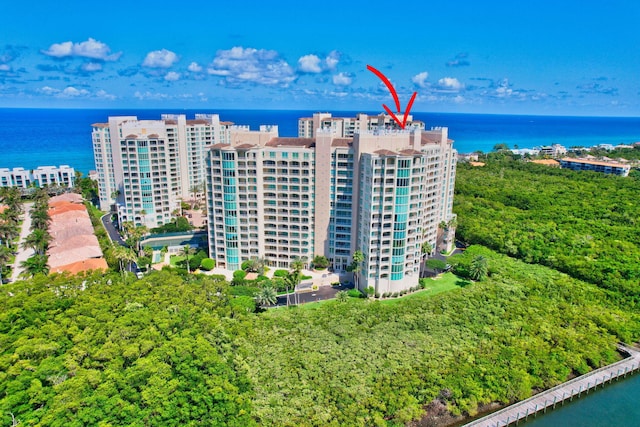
(383,191)
(145,167)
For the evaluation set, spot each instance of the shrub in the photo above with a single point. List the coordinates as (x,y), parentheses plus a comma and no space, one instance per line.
(218,277)
(208,264)
(280,273)
(261,278)
(242,290)
(239,274)
(320,262)
(307,278)
(354,293)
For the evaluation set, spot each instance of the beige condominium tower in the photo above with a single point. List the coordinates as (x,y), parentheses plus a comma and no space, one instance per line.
(363,184)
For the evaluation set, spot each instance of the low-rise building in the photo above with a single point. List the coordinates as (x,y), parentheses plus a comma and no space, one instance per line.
(64,176)
(596,166)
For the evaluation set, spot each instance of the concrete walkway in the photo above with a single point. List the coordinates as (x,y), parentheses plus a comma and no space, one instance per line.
(23,254)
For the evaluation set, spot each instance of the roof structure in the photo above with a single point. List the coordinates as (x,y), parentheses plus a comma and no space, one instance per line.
(74,247)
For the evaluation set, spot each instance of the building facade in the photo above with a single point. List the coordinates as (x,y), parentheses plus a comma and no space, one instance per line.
(596,166)
(42,176)
(383,191)
(146,167)
(347,127)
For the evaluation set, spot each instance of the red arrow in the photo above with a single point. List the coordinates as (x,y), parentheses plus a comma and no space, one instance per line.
(386,81)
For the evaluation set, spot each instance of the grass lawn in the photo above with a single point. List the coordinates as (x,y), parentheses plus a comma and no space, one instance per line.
(174,260)
(443,283)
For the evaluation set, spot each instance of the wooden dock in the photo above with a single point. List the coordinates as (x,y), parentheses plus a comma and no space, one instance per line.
(573,389)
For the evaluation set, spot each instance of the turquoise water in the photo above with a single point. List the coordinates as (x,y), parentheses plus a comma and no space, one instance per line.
(39,137)
(616,404)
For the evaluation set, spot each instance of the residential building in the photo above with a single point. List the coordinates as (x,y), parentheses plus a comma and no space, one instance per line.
(554,150)
(146,167)
(347,127)
(596,166)
(42,176)
(382,191)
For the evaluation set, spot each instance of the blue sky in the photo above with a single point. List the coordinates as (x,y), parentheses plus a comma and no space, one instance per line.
(524,57)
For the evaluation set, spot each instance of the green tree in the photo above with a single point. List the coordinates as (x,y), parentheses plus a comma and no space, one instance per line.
(479,268)
(36,264)
(187,250)
(39,219)
(125,257)
(320,262)
(254,265)
(38,240)
(267,296)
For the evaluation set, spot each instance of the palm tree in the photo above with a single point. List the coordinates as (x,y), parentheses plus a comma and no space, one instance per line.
(292,280)
(356,265)
(342,296)
(8,232)
(298,263)
(427,248)
(5,257)
(11,197)
(123,255)
(479,268)
(187,250)
(39,219)
(267,296)
(37,264)
(256,265)
(38,240)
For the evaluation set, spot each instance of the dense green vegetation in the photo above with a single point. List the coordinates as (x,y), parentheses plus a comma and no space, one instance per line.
(583,223)
(155,352)
(178,349)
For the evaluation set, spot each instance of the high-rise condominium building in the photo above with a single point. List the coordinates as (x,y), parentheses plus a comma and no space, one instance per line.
(347,127)
(145,167)
(382,191)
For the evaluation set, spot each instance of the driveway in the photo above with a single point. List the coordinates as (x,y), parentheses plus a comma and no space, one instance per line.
(23,254)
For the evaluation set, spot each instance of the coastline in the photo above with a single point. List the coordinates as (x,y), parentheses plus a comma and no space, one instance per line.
(40,137)
(492,413)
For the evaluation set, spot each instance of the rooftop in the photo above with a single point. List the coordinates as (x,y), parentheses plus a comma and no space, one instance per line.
(291,142)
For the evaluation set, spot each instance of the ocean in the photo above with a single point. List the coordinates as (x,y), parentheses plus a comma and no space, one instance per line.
(51,137)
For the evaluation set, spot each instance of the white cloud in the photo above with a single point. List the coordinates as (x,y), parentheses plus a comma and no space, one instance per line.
(160,59)
(331,61)
(314,65)
(503,90)
(91,67)
(156,96)
(90,48)
(259,66)
(309,64)
(72,92)
(5,67)
(342,79)
(103,94)
(450,83)
(194,67)
(420,79)
(48,90)
(172,76)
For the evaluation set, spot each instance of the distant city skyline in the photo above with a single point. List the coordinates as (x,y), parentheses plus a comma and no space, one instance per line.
(547,58)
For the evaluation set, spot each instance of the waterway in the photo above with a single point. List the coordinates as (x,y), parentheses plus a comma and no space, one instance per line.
(614,405)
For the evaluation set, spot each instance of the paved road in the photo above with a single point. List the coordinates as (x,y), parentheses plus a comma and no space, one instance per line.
(113,233)
(23,254)
(115,237)
(323,293)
